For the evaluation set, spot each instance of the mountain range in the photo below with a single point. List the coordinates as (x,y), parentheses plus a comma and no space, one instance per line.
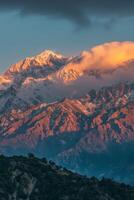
(75,110)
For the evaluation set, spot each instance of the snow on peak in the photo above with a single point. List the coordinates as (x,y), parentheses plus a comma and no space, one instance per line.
(49,53)
(45,58)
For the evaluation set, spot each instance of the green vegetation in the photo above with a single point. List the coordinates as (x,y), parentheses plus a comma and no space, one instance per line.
(30,178)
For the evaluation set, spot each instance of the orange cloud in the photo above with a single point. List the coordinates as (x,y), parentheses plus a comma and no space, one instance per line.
(109,54)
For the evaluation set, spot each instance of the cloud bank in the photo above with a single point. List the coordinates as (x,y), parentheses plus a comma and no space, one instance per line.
(108,56)
(103,65)
(78,11)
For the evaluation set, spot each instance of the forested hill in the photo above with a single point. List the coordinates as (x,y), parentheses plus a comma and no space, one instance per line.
(30,178)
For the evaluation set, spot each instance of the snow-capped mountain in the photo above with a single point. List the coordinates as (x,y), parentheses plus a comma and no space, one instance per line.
(41,61)
(31,72)
(76,106)
(50,76)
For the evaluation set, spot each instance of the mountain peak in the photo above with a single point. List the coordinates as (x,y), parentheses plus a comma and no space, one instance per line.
(49,53)
(45,58)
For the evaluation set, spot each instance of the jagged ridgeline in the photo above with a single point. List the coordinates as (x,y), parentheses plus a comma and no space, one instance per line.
(30,178)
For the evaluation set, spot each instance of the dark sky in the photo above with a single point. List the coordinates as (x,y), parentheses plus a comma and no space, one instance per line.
(30,26)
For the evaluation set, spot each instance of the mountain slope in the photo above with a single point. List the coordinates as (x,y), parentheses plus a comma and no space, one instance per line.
(32,178)
(109,110)
(78,133)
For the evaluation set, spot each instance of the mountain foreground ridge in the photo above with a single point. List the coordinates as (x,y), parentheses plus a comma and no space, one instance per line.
(38,179)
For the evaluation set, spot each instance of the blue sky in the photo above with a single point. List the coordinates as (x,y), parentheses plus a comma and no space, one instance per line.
(22,36)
